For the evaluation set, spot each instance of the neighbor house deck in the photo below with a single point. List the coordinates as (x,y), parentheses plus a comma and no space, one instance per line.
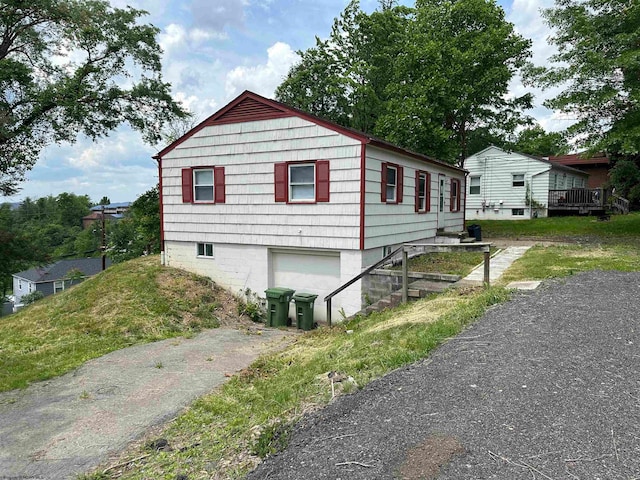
(586,201)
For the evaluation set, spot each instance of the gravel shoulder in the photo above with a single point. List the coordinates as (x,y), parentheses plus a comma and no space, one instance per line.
(544,386)
(58,428)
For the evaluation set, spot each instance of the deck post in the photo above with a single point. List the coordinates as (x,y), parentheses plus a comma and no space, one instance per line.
(487,260)
(329,312)
(405,276)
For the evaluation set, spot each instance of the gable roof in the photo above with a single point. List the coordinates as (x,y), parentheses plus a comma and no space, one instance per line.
(557,166)
(59,269)
(249,107)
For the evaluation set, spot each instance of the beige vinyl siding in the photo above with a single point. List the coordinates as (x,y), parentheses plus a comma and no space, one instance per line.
(250,215)
(391,224)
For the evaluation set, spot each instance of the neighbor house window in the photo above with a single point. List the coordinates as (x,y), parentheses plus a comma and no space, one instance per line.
(58,286)
(306,182)
(517,212)
(391,183)
(454,195)
(205,250)
(203,185)
(19,284)
(423,190)
(518,179)
(474,185)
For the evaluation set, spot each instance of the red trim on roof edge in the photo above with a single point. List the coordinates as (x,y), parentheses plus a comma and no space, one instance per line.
(281,110)
(363,165)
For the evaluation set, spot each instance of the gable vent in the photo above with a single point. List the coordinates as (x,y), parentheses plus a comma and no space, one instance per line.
(250,110)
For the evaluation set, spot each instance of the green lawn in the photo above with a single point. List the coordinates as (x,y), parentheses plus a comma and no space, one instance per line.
(620,228)
(134,302)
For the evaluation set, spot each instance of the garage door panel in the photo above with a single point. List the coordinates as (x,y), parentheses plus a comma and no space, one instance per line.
(306,272)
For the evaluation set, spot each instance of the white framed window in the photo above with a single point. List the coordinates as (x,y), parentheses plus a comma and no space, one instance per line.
(386,250)
(474,185)
(517,212)
(58,286)
(302,182)
(203,185)
(392,183)
(555,181)
(205,250)
(19,284)
(422,192)
(30,287)
(518,180)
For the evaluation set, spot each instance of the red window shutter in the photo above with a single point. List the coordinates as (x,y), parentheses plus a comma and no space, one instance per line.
(400,186)
(417,199)
(187,185)
(427,191)
(219,187)
(383,184)
(459,195)
(322,181)
(451,206)
(281,182)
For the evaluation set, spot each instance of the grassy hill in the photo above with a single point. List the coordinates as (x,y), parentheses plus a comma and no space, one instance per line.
(133,302)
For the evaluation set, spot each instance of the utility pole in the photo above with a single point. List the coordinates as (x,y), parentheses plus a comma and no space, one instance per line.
(103,247)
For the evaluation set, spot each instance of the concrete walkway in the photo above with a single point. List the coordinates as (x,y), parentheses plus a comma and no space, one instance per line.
(499,263)
(59,428)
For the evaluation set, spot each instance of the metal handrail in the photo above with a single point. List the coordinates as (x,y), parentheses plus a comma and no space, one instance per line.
(328,298)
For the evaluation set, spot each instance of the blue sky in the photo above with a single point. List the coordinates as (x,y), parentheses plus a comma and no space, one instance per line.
(213,51)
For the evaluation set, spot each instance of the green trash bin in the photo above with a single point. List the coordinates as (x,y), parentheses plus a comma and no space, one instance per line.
(278,306)
(304,310)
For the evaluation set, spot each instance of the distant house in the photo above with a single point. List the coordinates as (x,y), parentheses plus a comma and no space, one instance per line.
(55,277)
(597,166)
(113,211)
(263,195)
(506,185)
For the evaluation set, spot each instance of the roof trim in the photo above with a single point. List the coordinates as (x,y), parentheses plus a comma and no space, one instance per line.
(287,111)
(533,157)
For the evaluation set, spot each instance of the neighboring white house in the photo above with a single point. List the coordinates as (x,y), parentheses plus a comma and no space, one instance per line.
(505,185)
(262,195)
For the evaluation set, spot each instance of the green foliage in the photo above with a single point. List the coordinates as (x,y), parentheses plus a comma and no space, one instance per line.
(251,305)
(61,70)
(139,232)
(598,68)
(453,77)
(29,298)
(625,177)
(535,141)
(423,78)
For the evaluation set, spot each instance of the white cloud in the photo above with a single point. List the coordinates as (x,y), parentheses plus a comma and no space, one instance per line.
(262,79)
(216,16)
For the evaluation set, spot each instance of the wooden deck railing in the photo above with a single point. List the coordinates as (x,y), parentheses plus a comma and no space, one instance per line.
(592,198)
(620,204)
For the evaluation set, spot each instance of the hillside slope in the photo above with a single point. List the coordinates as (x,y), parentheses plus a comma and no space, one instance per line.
(133,302)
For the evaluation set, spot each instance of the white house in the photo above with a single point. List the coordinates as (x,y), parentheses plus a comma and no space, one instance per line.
(262,195)
(505,185)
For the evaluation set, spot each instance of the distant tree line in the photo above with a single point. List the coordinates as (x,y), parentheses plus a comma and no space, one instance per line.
(43,230)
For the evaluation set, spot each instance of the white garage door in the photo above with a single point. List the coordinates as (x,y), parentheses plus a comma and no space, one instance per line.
(306,271)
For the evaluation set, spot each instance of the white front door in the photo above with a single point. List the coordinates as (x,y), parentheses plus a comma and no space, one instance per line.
(441,196)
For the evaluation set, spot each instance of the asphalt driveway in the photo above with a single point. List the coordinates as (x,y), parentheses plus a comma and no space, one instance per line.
(58,428)
(546,386)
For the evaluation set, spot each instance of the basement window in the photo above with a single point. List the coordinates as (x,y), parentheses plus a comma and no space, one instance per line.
(517,212)
(205,250)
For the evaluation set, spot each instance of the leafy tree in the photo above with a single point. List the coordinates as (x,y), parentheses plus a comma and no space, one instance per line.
(74,66)
(423,78)
(598,68)
(139,232)
(453,78)
(535,141)
(625,178)
(32,297)
(104,201)
(344,78)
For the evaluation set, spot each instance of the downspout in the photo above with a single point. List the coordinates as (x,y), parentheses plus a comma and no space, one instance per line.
(163,259)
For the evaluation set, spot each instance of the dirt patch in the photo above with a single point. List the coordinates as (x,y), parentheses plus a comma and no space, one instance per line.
(424,461)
